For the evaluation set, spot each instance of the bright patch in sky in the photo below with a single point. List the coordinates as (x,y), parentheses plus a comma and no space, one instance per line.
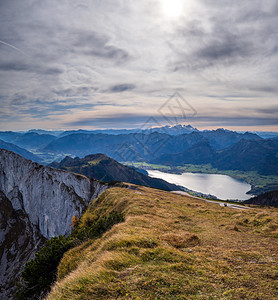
(113,64)
(172,8)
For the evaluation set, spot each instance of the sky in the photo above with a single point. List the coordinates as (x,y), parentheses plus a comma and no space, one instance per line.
(95,64)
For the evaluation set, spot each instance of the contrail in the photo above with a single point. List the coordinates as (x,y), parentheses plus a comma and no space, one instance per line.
(9,45)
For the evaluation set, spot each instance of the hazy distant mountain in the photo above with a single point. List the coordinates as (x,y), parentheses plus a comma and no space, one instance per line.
(222,138)
(41,131)
(247,155)
(33,140)
(29,140)
(20,151)
(9,136)
(199,153)
(268,199)
(103,131)
(266,134)
(122,147)
(141,146)
(171,130)
(104,168)
(83,144)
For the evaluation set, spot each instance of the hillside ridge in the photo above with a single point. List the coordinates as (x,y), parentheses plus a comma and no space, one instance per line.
(101,167)
(170,247)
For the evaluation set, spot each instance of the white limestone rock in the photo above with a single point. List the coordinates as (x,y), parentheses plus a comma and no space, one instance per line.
(50,197)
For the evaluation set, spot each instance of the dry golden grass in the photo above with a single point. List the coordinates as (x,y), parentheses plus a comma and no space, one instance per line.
(173,247)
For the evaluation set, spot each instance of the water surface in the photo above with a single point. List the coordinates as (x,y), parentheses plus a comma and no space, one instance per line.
(222,186)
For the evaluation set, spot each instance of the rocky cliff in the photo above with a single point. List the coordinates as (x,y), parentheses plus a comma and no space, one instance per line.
(37,202)
(50,197)
(19,240)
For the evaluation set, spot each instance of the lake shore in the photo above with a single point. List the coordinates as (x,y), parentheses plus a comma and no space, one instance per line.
(222,187)
(259,183)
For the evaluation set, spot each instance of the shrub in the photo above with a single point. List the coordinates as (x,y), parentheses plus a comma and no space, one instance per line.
(94,227)
(40,272)
(74,221)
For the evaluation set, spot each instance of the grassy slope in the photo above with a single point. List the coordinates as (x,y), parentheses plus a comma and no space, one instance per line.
(172,247)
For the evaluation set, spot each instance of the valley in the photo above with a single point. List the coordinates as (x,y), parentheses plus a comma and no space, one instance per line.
(138,150)
(55,202)
(243,156)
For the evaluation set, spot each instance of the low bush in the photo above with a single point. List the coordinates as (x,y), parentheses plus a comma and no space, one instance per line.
(40,272)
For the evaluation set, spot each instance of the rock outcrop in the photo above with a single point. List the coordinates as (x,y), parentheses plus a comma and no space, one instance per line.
(49,197)
(37,203)
(20,239)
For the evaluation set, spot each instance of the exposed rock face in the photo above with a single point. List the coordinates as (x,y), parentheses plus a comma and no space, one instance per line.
(36,203)
(49,197)
(19,240)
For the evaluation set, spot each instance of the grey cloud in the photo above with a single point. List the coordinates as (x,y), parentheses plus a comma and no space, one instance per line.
(234,121)
(94,44)
(44,109)
(230,47)
(273,110)
(112,120)
(122,88)
(109,52)
(124,120)
(25,67)
(227,49)
(79,90)
(19,99)
(266,89)
(52,71)
(136,120)
(240,33)
(14,66)
(86,53)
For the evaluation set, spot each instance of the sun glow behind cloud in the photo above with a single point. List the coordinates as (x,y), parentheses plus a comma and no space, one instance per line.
(130,57)
(172,9)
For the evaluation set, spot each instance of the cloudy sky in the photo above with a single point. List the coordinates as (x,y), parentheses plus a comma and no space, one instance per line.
(113,64)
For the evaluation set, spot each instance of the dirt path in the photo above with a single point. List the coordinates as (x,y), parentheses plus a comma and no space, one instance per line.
(224,204)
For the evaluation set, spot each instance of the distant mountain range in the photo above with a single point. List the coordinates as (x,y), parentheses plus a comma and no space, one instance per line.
(225,150)
(170,145)
(245,155)
(20,151)
(29,141)
(171,130)
(142,146)
(104,168)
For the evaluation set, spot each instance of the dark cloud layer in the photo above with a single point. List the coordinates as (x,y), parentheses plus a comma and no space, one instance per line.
(62,63)
(122,88)
(23,67)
